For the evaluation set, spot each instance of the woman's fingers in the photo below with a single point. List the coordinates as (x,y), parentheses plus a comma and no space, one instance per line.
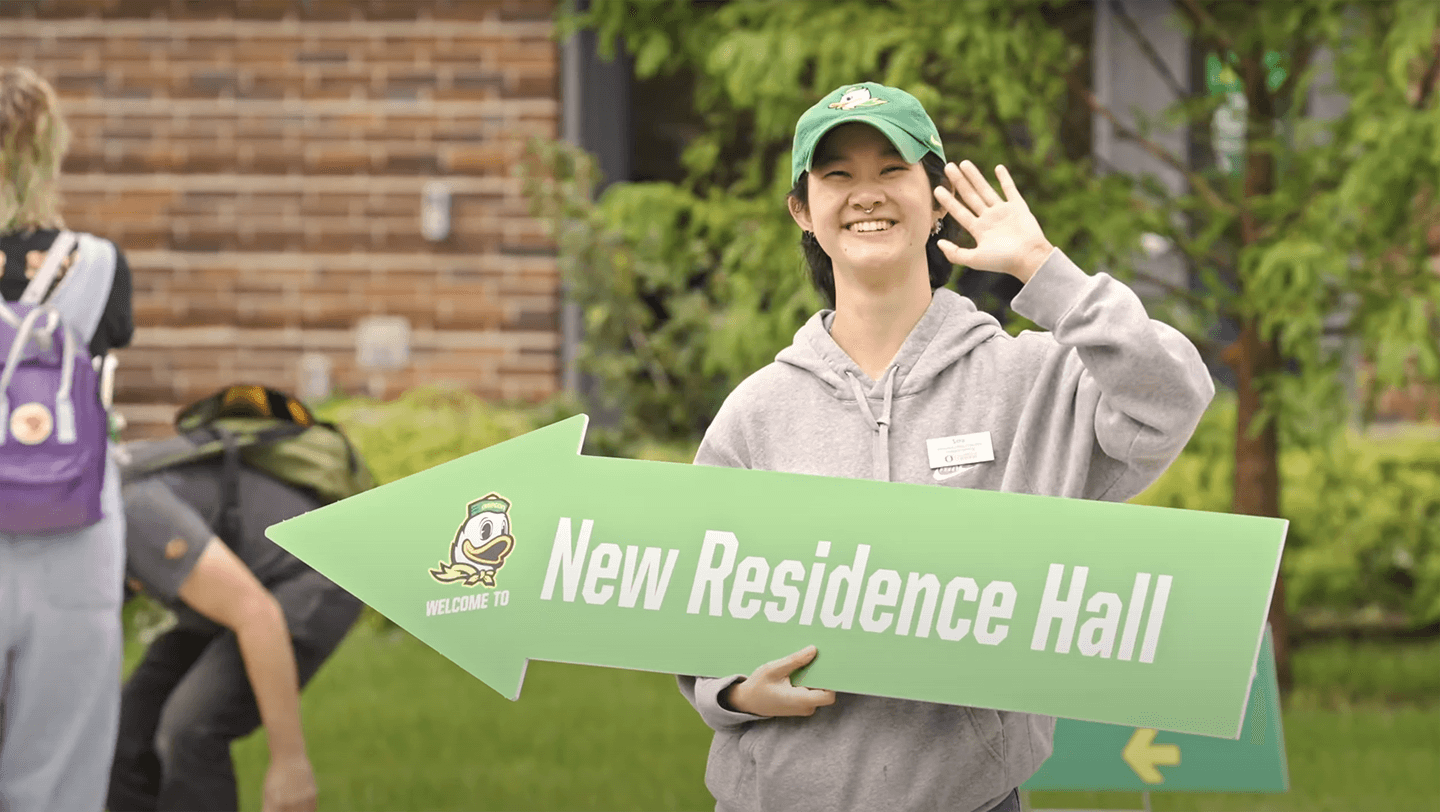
(821,697)
(982,187)
(965,190)
(1007,185)
(958,210)
(812,700)
(785,666)
(954,253)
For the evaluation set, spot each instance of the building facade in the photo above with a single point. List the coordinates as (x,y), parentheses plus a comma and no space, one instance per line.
(318,195)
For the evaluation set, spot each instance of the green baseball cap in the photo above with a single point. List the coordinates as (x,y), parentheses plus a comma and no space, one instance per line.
(890,110)
(489,503)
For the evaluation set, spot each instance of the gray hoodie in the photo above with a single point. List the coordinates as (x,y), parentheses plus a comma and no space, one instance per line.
(1095,409)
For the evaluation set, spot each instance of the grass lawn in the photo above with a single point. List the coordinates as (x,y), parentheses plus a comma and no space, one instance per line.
(392,725)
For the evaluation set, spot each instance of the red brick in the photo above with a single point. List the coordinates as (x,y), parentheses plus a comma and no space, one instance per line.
(466,9)
(531,84)
(140,237)
(485,159)
(333,10)
(264,9)
(253,312)
(339,159)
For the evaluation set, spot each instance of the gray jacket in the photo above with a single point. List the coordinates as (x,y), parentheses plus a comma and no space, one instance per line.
(1095,409)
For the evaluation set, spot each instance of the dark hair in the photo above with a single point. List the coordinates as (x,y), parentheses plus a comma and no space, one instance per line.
(822,272)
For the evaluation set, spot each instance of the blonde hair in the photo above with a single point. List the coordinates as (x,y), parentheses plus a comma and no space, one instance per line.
(33,141)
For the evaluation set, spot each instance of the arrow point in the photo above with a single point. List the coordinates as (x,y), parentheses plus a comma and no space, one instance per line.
(504,677)
(494,664)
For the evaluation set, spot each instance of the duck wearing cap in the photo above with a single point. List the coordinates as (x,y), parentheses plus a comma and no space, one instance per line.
(481,544)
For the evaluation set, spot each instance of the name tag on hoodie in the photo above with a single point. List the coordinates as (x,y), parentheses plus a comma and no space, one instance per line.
(962,449)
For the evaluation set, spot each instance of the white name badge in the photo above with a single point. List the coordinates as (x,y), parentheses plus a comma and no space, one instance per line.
(962,449)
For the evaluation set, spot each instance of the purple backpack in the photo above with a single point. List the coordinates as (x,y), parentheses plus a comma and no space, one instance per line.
(53,426)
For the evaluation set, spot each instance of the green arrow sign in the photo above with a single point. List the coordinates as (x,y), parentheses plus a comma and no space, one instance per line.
(1116,613)
(1092,756)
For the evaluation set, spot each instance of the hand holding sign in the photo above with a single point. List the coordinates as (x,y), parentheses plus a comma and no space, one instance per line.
(769,691)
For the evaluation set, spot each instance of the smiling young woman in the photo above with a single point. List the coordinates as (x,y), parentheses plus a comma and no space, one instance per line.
(1095,408)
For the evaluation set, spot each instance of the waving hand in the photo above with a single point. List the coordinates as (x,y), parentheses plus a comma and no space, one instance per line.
(1007,237)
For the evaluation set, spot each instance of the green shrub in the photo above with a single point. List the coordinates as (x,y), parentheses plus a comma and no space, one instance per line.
(433,424)
(1364,538)
(683,293)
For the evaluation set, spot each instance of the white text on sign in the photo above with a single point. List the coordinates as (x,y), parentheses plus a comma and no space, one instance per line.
(466,603)
(842,595)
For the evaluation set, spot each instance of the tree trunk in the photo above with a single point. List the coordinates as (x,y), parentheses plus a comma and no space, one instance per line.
(1257,454)
(1257,465)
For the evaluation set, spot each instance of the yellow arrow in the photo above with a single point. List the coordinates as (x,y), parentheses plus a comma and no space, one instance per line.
(1144,755)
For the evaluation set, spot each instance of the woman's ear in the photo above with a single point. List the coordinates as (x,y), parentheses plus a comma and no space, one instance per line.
(800,213)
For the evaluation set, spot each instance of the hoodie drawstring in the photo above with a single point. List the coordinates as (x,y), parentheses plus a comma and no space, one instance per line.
(880,446)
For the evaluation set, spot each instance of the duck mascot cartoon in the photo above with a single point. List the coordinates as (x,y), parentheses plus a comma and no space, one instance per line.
(480,545)
(855,97)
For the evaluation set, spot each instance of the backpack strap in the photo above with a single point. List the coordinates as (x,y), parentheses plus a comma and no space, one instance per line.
(40,286)
(227,524)
(228,520)
(351,453)
(23,334)
(83,294)
(139,460)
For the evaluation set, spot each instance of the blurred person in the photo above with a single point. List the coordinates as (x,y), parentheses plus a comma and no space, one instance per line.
(254,623)
(1095,408)
(60,592)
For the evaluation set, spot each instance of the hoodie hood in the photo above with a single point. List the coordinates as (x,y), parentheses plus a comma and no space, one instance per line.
(951,327)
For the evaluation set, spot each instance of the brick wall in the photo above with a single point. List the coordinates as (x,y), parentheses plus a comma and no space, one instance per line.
(261,163)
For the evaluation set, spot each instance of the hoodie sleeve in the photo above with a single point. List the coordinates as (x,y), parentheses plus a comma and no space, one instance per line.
(724,443)
(722,446)
(1152,384)
(703,694)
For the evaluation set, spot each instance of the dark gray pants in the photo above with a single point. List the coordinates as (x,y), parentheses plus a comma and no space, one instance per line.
(189,699)
(1011,803)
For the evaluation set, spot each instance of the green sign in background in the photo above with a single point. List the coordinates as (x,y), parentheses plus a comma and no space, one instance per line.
(381,546)
(1094,756)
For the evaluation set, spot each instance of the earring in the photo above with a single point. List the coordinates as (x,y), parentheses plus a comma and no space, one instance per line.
(936,229)
(807,235)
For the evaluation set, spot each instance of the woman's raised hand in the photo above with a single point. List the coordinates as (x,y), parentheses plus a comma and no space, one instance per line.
(1007,237)
(769,692)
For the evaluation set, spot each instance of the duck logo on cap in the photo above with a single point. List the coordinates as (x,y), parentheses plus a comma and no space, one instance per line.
(481,544)
(856,97)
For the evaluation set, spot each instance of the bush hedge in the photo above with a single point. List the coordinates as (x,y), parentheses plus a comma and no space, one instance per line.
(1363,549)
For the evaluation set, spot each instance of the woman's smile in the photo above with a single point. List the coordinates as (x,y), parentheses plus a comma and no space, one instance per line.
(870,226)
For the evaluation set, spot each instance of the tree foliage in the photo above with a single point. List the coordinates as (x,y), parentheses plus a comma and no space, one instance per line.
(1308,244)
(690,286)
